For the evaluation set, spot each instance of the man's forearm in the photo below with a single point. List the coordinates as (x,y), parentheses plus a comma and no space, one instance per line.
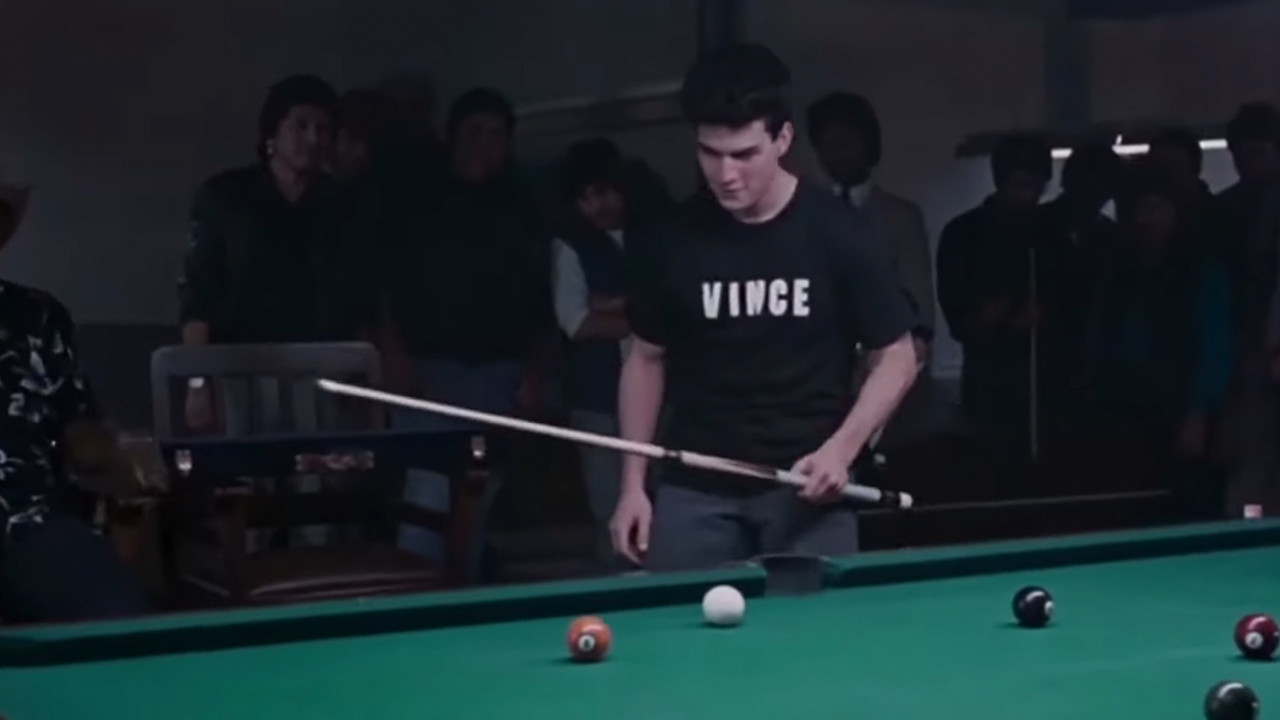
(92,453)
(891,372)
(640,392)
(604,324)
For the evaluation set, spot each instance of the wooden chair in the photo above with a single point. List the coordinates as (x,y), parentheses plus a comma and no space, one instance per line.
(281,424)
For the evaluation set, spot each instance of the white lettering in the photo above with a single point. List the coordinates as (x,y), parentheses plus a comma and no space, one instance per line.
(778,298)
(711,299)
(755,296)
(800,297)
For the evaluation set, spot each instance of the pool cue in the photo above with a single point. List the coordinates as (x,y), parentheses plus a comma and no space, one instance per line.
(852,491)
(1034,370)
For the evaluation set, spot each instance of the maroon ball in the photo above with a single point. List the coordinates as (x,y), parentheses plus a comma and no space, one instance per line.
(1257,636)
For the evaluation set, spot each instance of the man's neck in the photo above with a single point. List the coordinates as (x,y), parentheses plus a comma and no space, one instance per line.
(773,202)
(293,183)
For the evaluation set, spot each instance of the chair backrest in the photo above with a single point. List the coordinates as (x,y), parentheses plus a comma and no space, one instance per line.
(268,388)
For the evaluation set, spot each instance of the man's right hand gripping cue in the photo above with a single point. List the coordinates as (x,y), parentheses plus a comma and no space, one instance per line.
(640,392)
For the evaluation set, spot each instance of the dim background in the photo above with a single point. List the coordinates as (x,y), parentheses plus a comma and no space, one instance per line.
(116,109)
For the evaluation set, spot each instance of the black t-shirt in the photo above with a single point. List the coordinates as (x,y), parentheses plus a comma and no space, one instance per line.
(761,322)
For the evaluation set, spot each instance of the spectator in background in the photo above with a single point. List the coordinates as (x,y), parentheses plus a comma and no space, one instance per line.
(845,132)
(988,259)
(590,306)
(1253,137)
(266,259)
(1091,177)
(1249,212)
(467,286)
(1177,154)
(53,566)
(1158,339)
(365,124)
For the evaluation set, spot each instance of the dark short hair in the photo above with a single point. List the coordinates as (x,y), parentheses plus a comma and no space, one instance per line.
(1183,140)
(591,162)
(289,93)
(737,86)
(481,101)
(1093,164)
(853,110)
(366,115)
(1021,153)
(1254,121)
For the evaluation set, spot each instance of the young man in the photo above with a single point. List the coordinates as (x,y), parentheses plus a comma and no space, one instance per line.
(467,286)
(747,310)
(985,261)
(587,275)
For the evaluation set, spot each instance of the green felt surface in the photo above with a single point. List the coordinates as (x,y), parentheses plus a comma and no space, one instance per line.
(1139,638)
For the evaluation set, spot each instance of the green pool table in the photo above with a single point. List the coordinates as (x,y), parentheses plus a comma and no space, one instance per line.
(1143,628)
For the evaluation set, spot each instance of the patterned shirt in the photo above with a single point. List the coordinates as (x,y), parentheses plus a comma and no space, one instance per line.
(42,391)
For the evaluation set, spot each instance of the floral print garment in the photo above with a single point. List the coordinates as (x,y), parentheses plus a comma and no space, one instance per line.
(42,390)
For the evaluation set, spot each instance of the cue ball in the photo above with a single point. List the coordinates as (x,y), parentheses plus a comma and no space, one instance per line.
(723,606)
(588,639)
(1033,607)
(1257,636)
(1230,700)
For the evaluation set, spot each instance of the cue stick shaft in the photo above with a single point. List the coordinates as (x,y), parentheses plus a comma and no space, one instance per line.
(852,491)
(1034,395)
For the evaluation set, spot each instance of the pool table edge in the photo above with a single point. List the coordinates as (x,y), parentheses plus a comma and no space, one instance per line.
(206,631)
(887,567)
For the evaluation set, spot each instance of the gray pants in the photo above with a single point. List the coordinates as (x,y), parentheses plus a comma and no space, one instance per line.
(695,529)
(490,387)
(601,474)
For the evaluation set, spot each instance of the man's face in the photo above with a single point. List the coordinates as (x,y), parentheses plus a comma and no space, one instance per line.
(843,152)
(1155,219)
(603,206)
(741,164)
(1022,190)
(350,156)
(304,139)
(481,147)
(1255,160)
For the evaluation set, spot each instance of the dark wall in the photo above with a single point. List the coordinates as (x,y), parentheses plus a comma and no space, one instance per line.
(1098,9)
(117,359)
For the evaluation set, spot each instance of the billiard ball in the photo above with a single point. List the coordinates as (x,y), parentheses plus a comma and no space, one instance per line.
(723,606)
(1257,636)
(1230,700)
(588,639)
(1033,607)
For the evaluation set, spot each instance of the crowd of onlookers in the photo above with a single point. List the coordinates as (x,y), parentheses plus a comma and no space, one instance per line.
(1136,301)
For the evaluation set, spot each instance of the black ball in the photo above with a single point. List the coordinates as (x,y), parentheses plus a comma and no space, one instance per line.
(1230,700)
(1033,607)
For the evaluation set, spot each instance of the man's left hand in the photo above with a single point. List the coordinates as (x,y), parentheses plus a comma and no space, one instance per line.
(827,471)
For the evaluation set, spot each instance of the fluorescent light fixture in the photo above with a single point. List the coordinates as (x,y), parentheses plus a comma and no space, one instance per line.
(1126,149)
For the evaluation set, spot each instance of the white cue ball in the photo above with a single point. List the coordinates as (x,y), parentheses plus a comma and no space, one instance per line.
(723,605)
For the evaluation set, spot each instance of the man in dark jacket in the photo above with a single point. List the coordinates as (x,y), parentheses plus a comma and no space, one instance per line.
(999,279)
(467,289)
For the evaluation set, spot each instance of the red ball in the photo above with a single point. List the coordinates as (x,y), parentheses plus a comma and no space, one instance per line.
(588,639)
(1257,636)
